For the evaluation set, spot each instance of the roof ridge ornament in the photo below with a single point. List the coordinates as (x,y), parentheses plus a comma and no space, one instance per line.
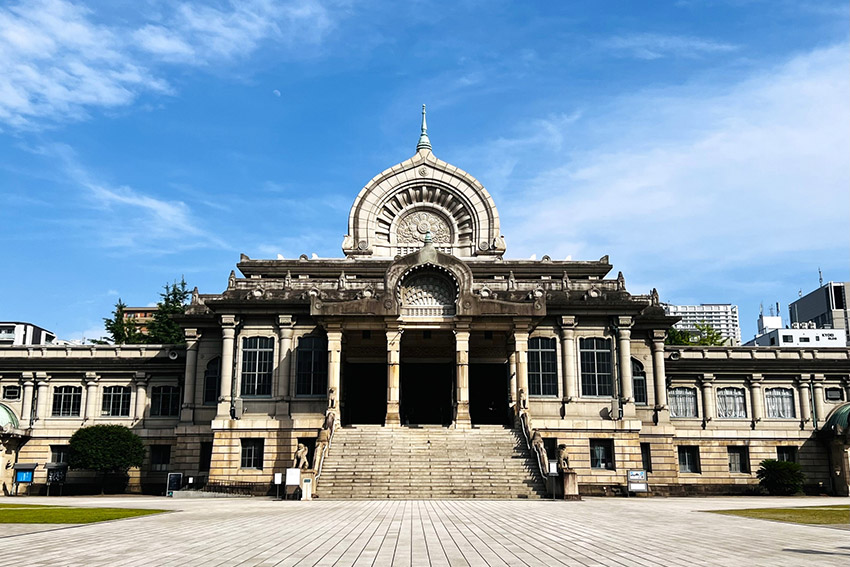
(424,141)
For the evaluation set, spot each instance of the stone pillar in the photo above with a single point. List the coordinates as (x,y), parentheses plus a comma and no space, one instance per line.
(708,404)
(91,396)
(521,346)
(334,366)
(26,401)
(228,334)
(817,392)
(141,380)
(284,363)
(191,374)
(393,374)
(659,377)
(624,348)
(512,394)
(568,354)
(756,398)
(805,400)
(462,368)
(42,396)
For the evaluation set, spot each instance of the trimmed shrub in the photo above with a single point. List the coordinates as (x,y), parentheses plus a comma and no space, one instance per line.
(781,478)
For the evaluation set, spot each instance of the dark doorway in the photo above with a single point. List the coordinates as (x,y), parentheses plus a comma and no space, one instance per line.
(426,393)
(364,394)
(488,394)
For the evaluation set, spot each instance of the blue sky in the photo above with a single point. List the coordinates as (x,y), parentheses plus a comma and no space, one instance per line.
(703,145)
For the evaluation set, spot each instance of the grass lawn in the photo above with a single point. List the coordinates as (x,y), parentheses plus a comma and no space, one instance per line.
(36,514)
(803,515)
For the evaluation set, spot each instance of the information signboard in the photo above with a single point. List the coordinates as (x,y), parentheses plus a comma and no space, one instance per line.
(23,476)
(175,482)
(637,481)
(293,477)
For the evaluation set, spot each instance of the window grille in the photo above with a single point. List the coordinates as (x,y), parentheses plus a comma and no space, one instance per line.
(311,378)
(257,366)
(116,401)
(165,401)
(689,459)
(252,454)
(596,367)
(67,401)
(542,367)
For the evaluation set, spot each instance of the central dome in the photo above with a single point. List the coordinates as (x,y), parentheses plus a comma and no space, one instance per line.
(394,211)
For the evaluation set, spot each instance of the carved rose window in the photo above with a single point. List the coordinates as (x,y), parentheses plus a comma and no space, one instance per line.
(414,226)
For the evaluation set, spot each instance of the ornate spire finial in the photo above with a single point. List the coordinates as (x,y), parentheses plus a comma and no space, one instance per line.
(424,142)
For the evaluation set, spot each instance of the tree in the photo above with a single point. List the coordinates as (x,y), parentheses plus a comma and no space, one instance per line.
(105,449)
(781,478)
(164,329)
(121,330)
(705,335)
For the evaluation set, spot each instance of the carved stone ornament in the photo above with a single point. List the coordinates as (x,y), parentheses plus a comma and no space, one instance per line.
(414,226)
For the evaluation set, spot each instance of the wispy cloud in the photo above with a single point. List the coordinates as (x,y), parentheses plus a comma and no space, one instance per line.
(656,46)
(57,62)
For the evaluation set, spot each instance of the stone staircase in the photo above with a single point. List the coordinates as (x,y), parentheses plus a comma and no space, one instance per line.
(374,462)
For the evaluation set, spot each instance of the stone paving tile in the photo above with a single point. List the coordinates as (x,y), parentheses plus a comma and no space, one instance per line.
(265,533)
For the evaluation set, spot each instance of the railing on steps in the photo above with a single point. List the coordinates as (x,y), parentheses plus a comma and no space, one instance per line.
(534,442)
(323,444)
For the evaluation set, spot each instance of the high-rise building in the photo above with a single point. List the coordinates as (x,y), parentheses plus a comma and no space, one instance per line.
(826,307)
(722,317)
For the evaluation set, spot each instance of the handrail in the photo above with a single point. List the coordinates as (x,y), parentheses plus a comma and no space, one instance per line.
(322,446)
(538,449)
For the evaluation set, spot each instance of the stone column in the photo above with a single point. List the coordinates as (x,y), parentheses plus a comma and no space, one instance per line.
(624,347)
(817,392)
(512,394)
(141,380)
(568,355)
(805,400)
(26,401)
(284,363)
(42,407)
(659,376)
(191,374)
(228,334)
(521,346)
(756,398)
(91,396)
(708,404)
(462,419)
(334,362)
(393,374)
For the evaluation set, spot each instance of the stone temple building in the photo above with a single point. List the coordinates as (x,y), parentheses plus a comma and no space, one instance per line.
(425,363)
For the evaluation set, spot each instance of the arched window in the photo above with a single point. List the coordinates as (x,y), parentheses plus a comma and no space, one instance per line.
(165,401)
(542,367)
(311,377)
(596,375)
(67,401)
(428,293)
(212,382)
(731,403)
(116,401)
(639,383)
(779,403)
(683,402)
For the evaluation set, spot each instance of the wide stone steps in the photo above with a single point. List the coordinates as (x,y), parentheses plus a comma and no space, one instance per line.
(432,462)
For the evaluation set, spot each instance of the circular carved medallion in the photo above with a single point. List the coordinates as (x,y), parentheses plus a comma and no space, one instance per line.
(414,226)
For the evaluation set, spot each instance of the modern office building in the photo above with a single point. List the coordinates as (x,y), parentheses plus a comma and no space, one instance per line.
(16,333)
(771,334)
(424,363)
(722,317)
(826,307)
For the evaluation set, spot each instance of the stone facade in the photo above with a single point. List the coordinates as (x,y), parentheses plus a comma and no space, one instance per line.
(424,322)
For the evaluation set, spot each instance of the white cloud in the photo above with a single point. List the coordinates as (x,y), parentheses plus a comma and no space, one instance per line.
(57,62)
(699,186)
(655,46)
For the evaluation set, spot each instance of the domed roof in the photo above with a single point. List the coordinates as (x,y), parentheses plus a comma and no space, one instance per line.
(837,422)
(398,207)
(7,417)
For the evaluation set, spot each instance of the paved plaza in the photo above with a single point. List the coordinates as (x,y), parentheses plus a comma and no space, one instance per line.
(263,532)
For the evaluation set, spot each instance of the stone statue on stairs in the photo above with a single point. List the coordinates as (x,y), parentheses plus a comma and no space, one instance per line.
(300,461)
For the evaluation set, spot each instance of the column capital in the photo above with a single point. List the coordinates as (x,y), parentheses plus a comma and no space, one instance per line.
(229,321)
(28,377)
(192,335)
(140,378)
(802,382)
(568,322)
(706,380)
(42,378)
(91,378)
(659,335)
(755,379)
(624,321)
(819,379)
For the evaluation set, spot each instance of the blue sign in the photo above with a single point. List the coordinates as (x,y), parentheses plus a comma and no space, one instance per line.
(23,476)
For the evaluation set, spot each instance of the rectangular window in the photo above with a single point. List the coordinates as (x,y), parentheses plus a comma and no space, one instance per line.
(731,403)
(252,454)
(646,456)
(165,401)
(786,454)
(205,458)
(160,457)
(683,402)
(542,367)
(312,366)
(834,394)
(212,382)
(257,366)
(116,401)
(689,459)
(739,459)
(11,392)
(787,339)
(66,401)
(779,403)
(602,454)
(596,367)
(58,453)
(804,339)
